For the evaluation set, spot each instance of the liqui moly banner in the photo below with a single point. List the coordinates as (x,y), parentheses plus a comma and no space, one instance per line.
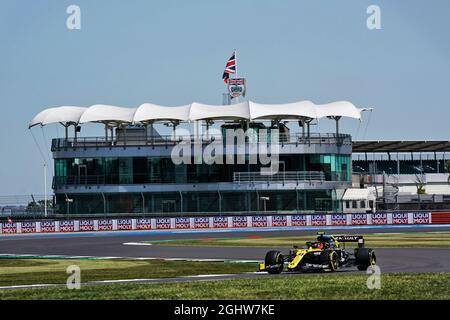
(220,222)
(124,224)
(421,218)
(359,218)
(9,228)
(86,225)
(259,221)
(28,227)
(67,226)
(201,223)
(339,219)
(162,223)
(48,226)
(279,221)
(182,223)
(400,218)
(299,220)
(105,225)
(239,222)
(144,224)
(379,218)
(318,220)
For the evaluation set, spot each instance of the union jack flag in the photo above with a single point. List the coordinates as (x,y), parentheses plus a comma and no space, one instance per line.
(230,68)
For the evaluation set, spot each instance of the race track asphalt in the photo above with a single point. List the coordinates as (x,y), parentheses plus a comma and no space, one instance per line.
(112,245)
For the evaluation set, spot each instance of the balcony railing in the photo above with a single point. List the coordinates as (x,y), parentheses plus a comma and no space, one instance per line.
(281,176)
(238,177)
(170,140)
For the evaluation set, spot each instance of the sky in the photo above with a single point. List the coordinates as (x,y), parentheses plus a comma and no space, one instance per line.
(173,53)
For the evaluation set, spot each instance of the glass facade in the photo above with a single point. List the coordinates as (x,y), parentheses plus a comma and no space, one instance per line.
(196,202)
(144,170)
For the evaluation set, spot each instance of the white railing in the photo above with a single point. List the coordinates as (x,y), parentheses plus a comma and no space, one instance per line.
(281,176)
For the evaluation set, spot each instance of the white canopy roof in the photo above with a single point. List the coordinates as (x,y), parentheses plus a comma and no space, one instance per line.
(338,109)
(106,114)
(65,114)
(226,112)
(300,109)
(196,111)
(153,112)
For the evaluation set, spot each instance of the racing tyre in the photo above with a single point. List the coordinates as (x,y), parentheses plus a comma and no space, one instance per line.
(365,257)
(275,260)
(332,259)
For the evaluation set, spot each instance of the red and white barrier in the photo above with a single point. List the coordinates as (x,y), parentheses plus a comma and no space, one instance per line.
(227,222)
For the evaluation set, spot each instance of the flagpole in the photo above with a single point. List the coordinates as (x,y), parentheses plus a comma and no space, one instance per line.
(236,74)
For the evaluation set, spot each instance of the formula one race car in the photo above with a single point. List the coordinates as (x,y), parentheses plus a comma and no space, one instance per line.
(328,253)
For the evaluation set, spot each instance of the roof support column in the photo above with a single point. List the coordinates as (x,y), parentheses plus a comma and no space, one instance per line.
(106,132)
(151,133)
(309,132)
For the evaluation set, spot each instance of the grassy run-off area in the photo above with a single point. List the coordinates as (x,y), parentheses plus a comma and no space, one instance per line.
(50,271)
(320,286)
(399,240)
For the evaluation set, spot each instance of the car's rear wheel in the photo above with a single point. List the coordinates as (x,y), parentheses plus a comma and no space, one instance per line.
(274,262)
(365,257)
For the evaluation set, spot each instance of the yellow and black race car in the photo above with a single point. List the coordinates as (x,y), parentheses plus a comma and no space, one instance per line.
(328,253)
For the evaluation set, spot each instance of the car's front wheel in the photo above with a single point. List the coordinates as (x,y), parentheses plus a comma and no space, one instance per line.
(274,262)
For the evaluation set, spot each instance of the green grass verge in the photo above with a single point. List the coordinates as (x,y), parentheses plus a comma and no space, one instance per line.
(428,286)
(35,271)
(403,240)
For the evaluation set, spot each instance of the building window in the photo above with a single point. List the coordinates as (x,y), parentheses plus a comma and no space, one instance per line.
(362,204)
(354,204)
(347,204)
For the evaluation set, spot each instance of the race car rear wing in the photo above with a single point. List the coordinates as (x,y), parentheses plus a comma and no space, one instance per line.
(351,238)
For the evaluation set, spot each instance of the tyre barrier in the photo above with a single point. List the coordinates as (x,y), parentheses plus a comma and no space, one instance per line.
(231,222)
